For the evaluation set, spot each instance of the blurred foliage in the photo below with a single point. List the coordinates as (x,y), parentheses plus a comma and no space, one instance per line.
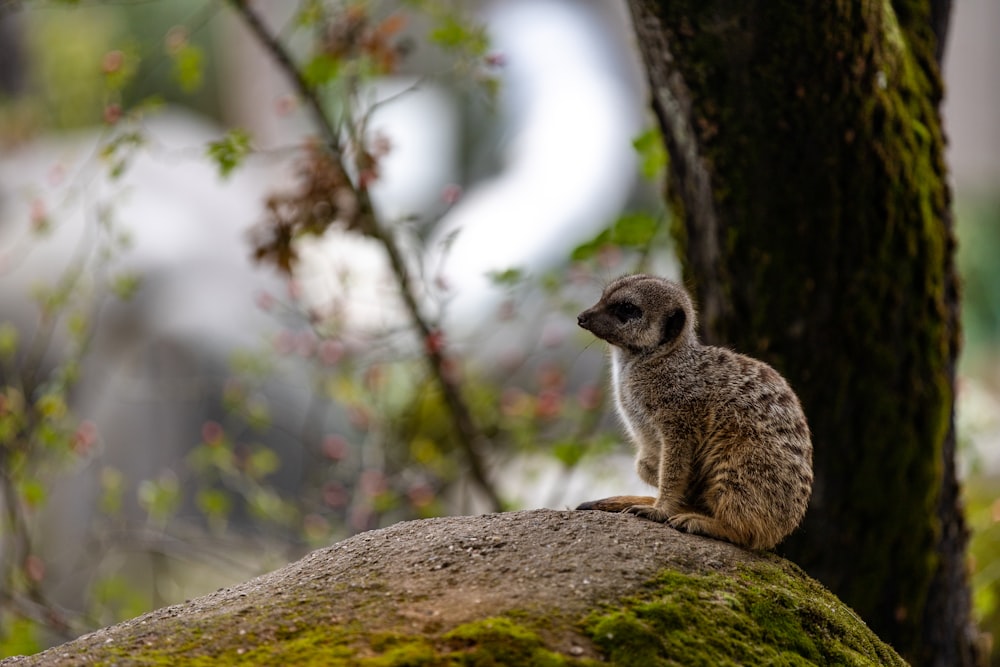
(978,230)
(20,637)
(378,442)
(89,60)
(652,153)
(229,151)
(983,514)
(978,220)
(633,230)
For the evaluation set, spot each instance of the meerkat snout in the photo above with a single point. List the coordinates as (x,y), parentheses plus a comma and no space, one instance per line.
(722,436)
(640,320)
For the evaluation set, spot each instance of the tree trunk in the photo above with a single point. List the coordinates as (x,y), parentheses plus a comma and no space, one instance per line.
(813,214)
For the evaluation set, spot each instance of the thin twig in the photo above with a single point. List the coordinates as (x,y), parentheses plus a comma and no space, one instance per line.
(35,599)
(470,438)
(284,59)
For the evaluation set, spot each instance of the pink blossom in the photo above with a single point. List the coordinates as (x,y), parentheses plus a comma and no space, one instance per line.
(496,59)
(335,447)
(212,433)
(451,193)
(330,351)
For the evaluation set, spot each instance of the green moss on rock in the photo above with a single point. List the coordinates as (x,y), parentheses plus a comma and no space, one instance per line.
(750,617)
(521,588)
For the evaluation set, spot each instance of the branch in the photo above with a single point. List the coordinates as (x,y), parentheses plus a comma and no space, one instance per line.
(34,604)
(471,440)
(284,59)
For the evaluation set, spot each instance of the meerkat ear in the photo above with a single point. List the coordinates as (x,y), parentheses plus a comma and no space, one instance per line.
(673,325)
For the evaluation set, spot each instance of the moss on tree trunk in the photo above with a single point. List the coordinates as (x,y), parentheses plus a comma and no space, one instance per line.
(807,159)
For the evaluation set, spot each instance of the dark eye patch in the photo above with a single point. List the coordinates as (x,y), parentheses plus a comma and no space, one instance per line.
(625,311)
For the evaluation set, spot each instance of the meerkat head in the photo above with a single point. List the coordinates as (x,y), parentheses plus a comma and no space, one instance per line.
(641,314)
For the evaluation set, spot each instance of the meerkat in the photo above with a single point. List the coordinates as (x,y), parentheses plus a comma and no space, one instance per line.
(721,436)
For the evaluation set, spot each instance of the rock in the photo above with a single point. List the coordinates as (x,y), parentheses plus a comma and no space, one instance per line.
(518,588)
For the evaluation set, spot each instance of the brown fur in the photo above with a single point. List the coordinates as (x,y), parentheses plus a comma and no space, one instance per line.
(722,436)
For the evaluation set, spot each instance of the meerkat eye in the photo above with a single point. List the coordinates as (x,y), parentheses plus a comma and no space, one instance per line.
(626,311)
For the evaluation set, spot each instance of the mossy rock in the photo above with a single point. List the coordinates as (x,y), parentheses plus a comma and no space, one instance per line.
(519,588)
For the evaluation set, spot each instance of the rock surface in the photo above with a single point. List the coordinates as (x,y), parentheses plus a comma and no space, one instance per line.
(536,587)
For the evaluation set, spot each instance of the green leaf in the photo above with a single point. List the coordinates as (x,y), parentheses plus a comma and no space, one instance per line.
(252,365)
(113,488)
(385,501)
(219,457)
(634,229)
(67,374)
(229,152)
(12,417)
(115,599)
(77,325)
(119,150)
(552,282)
(321,70)
(19,636)
(188,67)
(653,156)
(424,450)
(32,492)
(160,497)
(589,250)
(569,452)
(310,13)
(262,462)
(453,34)
(51,406)
(52,435)
(50,299)
(125,285)
(257,414)
(214,503)
(510,277)
(8,341)
(149,105)
(267,504)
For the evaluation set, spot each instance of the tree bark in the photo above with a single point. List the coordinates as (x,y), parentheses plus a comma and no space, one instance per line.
(813,215)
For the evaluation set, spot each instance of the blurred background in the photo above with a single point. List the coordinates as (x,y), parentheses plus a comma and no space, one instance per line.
(178,417)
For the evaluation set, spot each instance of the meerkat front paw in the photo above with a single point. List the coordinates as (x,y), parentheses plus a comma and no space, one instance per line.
(691,522)
(649,512)
(700,524)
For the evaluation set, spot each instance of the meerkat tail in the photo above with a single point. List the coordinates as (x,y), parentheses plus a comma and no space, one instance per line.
(616,503)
